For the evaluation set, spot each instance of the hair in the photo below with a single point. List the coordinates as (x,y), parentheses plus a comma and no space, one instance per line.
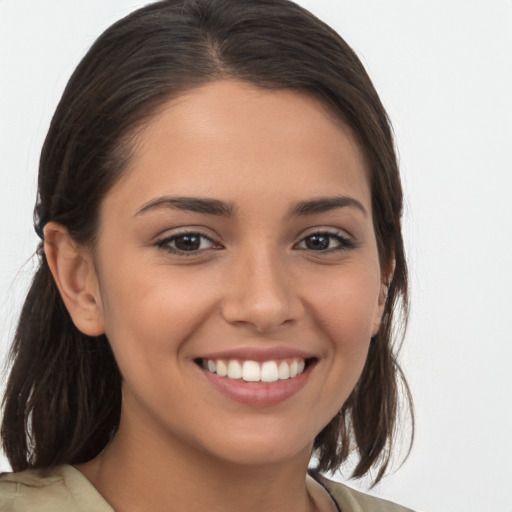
(63,397)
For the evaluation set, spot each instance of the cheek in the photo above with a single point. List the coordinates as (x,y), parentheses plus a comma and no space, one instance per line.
(346,303)
(345,308)
(151,314)
(148,323)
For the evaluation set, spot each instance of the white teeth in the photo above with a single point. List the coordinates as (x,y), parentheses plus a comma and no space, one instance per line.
(222,369)
(284,371)
(269,371)
(252,371)
(293,369)
(234,370)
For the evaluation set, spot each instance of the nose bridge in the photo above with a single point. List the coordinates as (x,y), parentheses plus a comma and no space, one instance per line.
(261,292)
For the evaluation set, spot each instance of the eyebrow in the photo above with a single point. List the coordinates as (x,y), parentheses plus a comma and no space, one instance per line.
(223,209)
(325,204)
(191,204)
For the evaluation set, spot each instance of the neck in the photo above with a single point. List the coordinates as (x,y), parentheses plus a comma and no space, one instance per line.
(139,472)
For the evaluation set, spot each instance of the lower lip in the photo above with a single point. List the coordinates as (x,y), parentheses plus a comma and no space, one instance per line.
(258,394)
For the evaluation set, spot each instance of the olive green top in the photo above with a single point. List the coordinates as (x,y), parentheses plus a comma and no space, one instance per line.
(65,489)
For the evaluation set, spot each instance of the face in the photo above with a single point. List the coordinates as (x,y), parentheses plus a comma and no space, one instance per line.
(237,273)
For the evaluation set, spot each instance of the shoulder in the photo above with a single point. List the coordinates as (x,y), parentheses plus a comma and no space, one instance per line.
(60,489)
(350,500)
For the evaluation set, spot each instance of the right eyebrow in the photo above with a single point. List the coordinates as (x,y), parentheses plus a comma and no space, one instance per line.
(191,204)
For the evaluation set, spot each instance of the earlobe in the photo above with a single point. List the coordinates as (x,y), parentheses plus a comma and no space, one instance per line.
(75,276)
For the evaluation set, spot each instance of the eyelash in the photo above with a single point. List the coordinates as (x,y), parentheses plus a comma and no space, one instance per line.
(344,243)
(165,243)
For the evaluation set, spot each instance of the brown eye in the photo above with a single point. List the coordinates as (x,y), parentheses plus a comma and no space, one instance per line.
(187,243)
(326,242)
(317,242)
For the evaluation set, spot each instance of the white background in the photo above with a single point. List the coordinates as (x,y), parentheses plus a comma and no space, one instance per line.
(443,70)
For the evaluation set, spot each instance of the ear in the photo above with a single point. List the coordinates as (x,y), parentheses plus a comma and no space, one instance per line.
(73,270)
(387,277)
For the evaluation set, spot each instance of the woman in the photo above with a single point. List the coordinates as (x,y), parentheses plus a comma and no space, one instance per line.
(219,207)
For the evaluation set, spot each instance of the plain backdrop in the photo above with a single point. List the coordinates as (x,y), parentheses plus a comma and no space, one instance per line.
(443,70)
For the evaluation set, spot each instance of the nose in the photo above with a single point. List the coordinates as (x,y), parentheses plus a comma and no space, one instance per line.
(261,294)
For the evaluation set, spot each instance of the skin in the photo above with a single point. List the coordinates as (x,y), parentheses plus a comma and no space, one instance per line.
(254,282)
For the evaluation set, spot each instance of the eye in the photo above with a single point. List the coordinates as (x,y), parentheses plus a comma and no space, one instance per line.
(187,243)
(326,242)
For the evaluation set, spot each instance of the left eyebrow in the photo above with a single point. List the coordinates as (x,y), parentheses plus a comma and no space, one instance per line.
(191,204)
(325,204)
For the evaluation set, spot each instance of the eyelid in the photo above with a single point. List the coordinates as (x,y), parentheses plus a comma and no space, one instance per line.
(346,241)
(199,230)
(163,242)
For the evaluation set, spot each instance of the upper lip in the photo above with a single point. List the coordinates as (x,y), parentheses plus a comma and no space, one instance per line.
(259,354)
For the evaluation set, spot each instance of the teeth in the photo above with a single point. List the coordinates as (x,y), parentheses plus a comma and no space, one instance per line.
(222,369)
(234,370)
(284,370)
(269,371)
(252,371)
(293,369)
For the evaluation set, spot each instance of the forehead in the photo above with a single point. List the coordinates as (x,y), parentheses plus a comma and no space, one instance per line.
(229,138)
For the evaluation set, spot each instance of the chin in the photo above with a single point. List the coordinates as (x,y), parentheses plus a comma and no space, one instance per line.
(260,447)
(264,455)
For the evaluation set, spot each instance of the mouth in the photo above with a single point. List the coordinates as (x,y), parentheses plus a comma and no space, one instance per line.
(258,377)
(264,372)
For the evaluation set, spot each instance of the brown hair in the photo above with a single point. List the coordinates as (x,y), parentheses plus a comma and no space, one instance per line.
(63,397)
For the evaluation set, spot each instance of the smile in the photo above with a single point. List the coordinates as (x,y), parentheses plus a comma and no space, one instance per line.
(253,371)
